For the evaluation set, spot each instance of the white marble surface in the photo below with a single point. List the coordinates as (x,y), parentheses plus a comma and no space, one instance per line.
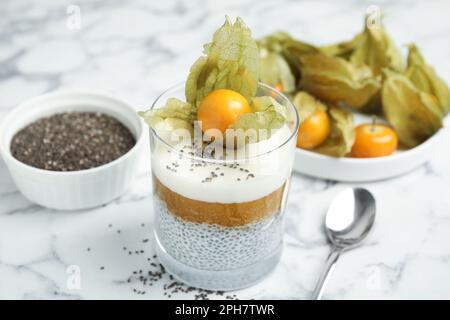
(136,50)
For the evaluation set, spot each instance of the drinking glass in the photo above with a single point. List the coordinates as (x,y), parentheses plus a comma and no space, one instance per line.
(218,222)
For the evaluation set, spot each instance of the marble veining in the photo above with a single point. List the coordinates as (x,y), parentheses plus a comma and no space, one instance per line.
(135,50)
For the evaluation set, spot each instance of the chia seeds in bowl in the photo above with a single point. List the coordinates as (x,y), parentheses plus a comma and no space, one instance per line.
(72,141)
(100,157)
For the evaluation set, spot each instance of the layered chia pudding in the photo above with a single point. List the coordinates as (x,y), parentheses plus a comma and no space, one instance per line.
(219,223)
(219,195)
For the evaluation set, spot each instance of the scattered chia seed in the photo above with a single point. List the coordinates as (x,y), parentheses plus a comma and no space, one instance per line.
(72,141)
(141,280)
(157,273)
(171,169)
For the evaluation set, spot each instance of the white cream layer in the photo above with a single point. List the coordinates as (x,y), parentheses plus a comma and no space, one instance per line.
(214,182)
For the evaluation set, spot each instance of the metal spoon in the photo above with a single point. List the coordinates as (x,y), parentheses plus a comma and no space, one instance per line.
(349,219)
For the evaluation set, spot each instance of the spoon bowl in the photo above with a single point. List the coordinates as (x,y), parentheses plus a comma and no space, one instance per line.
(350,217)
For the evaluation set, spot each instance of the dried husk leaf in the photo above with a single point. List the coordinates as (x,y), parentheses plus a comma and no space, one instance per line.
(231,62)
(307,105)
(377,50)
(414,114)
(343,49)
(267,115)
(289,48)
(280,41)
(274,70)
(174,109)
(334,80)
(295,49)
(176,114)
(424,77)
(342,135)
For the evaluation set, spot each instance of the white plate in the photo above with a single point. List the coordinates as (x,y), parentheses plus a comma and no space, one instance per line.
(363,170)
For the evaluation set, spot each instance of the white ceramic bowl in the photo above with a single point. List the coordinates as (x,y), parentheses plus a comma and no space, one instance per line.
(75,189)
(364,170)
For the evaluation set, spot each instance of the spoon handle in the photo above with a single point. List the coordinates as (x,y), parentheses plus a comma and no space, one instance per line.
(324,277)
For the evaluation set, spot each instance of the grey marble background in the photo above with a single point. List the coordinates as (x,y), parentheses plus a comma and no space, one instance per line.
(136,49)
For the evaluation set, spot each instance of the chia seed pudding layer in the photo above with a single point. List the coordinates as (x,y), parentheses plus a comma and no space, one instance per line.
(215,247)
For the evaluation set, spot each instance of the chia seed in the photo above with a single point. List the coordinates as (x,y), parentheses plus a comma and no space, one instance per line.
(72,141)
